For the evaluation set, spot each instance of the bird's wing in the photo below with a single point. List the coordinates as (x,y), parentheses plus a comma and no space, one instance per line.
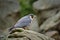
(23,22)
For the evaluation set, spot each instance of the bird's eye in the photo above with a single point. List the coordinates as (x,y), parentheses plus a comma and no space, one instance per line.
(32,16)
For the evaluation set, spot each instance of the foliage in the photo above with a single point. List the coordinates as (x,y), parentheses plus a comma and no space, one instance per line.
(26,7)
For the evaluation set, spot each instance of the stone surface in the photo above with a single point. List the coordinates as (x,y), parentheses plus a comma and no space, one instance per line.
(8,14)
(46,4)
(28,35)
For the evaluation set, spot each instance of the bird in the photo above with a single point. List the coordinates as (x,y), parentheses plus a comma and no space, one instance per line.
(23,22)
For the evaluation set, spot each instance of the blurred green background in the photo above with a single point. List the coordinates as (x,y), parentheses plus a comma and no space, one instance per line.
(26,7)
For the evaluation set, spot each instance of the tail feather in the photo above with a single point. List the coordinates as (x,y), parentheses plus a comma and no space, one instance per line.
(11,28)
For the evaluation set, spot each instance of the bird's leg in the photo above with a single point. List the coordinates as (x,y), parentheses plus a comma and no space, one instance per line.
(26,28)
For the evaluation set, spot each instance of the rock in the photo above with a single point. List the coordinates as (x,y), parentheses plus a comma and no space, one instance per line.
(8,6)
(46,4)
(28,35)
(9,14)
(50,22)
(52,33)
(43,12)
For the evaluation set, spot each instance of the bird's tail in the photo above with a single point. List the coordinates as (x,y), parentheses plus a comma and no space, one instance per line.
(10,29)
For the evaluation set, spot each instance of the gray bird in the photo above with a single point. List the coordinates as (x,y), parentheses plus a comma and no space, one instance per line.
(23,22)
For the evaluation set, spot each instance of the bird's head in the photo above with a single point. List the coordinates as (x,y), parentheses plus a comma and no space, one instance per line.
(31,16)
